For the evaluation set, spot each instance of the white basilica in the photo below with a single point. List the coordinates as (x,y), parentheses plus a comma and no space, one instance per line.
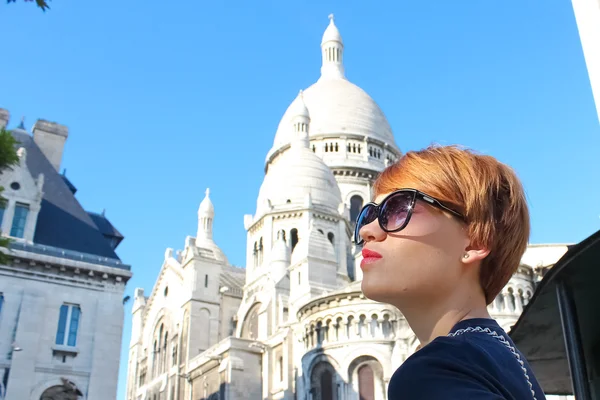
(293,324)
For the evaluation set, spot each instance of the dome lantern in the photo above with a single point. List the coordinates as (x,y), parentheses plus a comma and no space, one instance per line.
(332,49)
(300,122)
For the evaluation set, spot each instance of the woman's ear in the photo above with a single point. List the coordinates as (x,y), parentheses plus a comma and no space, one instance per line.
(474,253)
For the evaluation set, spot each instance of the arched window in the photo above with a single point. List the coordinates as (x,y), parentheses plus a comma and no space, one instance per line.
(356,204)
(366,378)
(250,326)
(521,297)
(366,383)
(174,353)
(331,238)
(511,299)
(184,337)
(499,302)
(68,390)
(294,237)
(157,366)
(203,329)
(323,382)
(255,254)
(163,362)
(154,357)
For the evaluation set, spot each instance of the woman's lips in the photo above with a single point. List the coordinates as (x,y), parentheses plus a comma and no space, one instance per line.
(369,257)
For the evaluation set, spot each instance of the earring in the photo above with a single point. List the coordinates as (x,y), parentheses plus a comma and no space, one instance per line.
(466,256)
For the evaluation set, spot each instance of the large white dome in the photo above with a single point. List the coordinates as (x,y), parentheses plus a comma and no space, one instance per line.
(337,106)
(298,173)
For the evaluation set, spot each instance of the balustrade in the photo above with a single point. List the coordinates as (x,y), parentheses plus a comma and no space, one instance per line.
(510,301)
(322,332)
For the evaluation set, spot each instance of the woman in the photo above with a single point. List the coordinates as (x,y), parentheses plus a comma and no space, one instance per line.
(445,234)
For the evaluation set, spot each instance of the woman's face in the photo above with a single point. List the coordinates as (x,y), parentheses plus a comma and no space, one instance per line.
(422,263)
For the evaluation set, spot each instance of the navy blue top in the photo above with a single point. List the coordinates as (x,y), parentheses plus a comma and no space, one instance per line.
(473,365)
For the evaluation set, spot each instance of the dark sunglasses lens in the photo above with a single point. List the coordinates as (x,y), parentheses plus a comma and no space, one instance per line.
(366,216)
(394,211)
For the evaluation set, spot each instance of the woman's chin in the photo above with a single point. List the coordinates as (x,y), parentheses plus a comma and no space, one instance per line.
(374,291)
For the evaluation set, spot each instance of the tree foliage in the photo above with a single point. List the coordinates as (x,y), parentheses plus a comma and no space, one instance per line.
(43,4)
(8,158)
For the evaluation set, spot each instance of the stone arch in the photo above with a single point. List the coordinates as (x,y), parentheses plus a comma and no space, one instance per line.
(365,375)
(55,386)
(250,324)
(379,353)
(325,381)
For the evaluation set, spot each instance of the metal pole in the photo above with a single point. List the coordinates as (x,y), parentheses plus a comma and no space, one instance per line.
(573,346)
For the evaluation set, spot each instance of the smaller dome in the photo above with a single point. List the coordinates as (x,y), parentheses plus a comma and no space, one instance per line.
(299,177)
(209,249)
(280,252)
(206,206)
(298,107)
(314,244)
(298,174)
(331,33)
(205,243)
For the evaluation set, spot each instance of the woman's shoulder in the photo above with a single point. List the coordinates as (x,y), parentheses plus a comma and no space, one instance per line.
(448,367)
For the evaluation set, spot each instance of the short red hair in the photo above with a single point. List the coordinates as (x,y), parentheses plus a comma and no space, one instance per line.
(487,192)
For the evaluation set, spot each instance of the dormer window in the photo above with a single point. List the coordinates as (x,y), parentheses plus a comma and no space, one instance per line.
(19,220)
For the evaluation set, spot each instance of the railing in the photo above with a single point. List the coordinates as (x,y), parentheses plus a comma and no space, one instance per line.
(348,328)
(68,254)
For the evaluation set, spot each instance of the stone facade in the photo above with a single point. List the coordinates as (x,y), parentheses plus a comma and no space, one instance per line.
(294,323)
(61,291)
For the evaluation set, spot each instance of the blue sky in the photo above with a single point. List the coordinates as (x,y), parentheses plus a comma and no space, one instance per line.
(164,99)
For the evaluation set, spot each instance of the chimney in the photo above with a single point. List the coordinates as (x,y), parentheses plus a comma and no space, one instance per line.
(4,118)
(50,138)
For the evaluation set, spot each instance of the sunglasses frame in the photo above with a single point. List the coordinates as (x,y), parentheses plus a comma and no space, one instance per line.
(416,195)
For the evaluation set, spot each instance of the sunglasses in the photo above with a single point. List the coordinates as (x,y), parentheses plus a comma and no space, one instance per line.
(394,212)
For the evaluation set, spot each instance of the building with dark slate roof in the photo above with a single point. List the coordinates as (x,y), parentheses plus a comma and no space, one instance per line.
(61,293)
